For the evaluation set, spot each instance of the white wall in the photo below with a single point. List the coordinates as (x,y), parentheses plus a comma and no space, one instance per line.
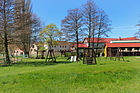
(95,44)
(125,41)
(58,47)
(33,50)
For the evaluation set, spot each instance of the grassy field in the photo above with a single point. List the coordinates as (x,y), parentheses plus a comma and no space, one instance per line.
(34,76)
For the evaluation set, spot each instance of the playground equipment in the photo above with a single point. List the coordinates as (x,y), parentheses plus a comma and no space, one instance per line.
(89,56)
(115,52)
(50,56)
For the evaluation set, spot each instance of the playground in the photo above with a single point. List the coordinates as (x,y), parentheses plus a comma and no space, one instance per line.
(36,76)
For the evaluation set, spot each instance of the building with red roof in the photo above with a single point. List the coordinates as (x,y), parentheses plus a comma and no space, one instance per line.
(122,45)
(81,45)
(127,46)
(101,42)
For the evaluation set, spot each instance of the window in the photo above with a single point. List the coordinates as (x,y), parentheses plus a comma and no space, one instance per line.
(33,46)
(21,53)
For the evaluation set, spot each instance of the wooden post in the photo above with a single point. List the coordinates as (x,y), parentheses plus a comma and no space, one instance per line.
(84,56)
(110,53)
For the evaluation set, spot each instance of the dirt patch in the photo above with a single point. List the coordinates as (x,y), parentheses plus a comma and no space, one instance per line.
(137,57)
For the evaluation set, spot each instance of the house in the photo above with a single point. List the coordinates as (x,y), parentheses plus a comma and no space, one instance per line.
(33,49)
(15,50)
(60,46)
(101,42)
(128,47)
(36,49)
(18,52)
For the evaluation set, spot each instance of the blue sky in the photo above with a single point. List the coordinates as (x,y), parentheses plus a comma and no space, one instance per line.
(124,14)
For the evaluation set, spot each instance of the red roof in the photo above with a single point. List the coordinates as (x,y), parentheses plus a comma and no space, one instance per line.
(130,38)
(81,45)
(102,40)
(107,40)
(123,44)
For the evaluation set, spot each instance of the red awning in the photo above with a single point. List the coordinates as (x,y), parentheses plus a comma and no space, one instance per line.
(123,44)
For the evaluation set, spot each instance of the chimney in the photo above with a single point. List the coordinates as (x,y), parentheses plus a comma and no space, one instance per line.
(119,38)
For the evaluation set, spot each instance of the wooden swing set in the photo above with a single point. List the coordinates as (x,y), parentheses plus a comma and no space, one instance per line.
(89,56)
(50,56)
(115,53)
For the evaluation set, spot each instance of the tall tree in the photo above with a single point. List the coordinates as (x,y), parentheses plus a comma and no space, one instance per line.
(103,26)
(137,34)
(89,11)
(6,23)
(49,34)
(71,26)
(23,23)
(37,27)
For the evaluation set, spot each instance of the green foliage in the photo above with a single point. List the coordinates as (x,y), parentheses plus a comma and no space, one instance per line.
(34,76)
(50,33)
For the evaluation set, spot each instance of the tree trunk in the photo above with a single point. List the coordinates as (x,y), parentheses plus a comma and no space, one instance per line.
(25,52)
(89,33)
(93,52)
(5,36)
(28,48)
(37,53)
(6,50)
(77,50)
(98,39)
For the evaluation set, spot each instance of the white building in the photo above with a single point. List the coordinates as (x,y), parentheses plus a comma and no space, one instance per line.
(33,50)
(60,46)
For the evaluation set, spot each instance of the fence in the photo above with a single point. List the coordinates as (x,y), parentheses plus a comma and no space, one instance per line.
(13,59)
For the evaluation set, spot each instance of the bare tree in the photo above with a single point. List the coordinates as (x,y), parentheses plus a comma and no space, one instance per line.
(23,24)
(71,26)
(89,12)
(137,34)
(103,26)
(6,23)
(37,27)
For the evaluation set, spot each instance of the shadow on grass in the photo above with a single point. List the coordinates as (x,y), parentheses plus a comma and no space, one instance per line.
(36,64)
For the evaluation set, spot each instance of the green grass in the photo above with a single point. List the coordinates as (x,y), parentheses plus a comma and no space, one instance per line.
(34,76)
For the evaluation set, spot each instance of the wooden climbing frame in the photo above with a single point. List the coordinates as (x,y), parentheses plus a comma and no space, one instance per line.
(50,56)
(89,56)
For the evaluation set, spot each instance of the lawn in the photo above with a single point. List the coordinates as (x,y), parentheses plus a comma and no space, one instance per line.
(34,76)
